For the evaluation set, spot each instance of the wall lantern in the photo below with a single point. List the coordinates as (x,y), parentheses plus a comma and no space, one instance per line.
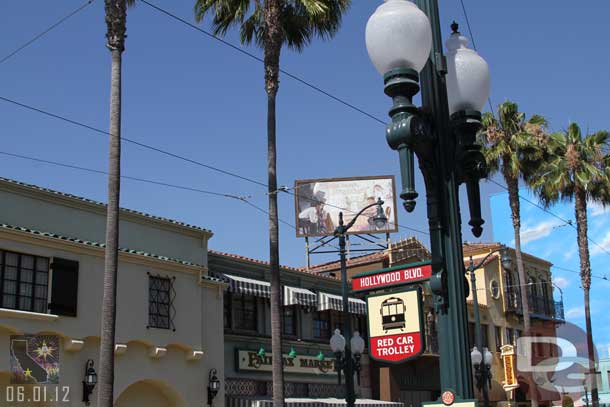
(89,381)
(213,386)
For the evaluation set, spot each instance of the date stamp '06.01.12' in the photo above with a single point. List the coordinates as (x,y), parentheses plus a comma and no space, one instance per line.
(35,368)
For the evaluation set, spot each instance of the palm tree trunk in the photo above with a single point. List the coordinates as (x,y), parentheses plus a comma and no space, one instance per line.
(513,197)
(273,46)
(116,16)
(106,366)
(585,277)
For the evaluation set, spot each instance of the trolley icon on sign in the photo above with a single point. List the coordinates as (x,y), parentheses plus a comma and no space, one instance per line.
(393,314)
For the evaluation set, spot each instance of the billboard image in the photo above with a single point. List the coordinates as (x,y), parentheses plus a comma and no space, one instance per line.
(318,203)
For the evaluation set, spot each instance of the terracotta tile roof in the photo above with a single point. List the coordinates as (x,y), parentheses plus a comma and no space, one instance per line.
(95,244)
(470,247)
(354,261)
(411,244)
(485,263)
(266,263)
(101,204)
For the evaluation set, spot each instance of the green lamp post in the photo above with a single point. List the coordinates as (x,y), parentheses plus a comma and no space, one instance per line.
(480,356)
(345,348)
(404,43)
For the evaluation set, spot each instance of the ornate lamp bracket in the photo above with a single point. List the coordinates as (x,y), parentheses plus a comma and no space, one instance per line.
(471,164)
(407,128)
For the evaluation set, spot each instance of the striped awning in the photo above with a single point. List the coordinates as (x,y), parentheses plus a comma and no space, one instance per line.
(335,302)
(299,296)
(248,286)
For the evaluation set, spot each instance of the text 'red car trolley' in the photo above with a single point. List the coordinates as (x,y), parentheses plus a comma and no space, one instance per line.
(393,314)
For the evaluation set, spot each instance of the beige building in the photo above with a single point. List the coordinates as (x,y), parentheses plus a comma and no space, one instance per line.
(501,318)
(169,320)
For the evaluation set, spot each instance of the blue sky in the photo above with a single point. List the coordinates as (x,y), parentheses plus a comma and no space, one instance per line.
(550,238)
(189,94)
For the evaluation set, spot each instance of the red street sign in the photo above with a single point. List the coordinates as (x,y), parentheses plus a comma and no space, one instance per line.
(393,276)
(395,325)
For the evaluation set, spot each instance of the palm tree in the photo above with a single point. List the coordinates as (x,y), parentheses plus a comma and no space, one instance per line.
(270,24)
(512,146)
(116,17)
(576,170)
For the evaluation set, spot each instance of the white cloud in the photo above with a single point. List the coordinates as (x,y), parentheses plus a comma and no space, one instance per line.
(575,313)
(598,209)
(561,282)
(603,350)
(538,231)
(569,254)
(605,246)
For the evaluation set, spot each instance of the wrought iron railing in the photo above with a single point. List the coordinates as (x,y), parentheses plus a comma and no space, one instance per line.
(539,306)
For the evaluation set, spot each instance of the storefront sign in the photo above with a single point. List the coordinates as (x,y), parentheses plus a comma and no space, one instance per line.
(250,360)
(393,276)
(508,360)
(396,325)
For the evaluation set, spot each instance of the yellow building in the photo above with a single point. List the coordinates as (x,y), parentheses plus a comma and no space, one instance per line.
(500,310)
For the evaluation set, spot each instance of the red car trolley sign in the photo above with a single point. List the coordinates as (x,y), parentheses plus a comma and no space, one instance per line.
(396,325)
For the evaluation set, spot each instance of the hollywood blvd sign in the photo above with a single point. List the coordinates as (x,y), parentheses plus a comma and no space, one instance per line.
(393,276)
(396,325)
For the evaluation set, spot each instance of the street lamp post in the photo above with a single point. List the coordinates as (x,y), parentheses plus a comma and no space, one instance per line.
(482,361)
(380,221)
(404,43)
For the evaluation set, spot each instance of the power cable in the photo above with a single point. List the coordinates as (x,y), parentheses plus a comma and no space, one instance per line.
(128,140)
(244,199)
(259,59)
(170,154)
(38,36)
(566,221)
(578,272)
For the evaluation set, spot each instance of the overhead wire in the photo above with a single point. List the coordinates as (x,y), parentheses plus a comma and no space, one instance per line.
(168,153)
(241,198)
(46,31)
(566,221)
(259,59)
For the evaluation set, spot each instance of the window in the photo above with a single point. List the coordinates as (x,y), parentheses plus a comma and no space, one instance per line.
(472,339)
(509,336)
(160,302)
(498,338)
(243,312)
(321,325)
(485,335)
(289,322)
(24,282)
(494,288)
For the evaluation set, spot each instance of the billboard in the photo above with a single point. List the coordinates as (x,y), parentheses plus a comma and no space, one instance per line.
(318,203)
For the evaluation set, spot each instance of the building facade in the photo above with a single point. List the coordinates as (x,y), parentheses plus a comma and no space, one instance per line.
(501,320)
(168,328)
(311,311)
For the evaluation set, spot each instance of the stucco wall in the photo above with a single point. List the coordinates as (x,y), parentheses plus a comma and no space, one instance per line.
(69,217)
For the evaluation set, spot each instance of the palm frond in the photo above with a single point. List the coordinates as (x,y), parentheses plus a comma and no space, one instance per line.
(301,20)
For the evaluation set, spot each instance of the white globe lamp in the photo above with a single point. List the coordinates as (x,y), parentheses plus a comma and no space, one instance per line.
(468,81)
(398,36)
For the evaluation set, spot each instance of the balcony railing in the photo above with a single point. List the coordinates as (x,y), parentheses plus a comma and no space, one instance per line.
(540,307)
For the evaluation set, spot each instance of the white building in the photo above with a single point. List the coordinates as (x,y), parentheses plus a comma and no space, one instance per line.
(169,321)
